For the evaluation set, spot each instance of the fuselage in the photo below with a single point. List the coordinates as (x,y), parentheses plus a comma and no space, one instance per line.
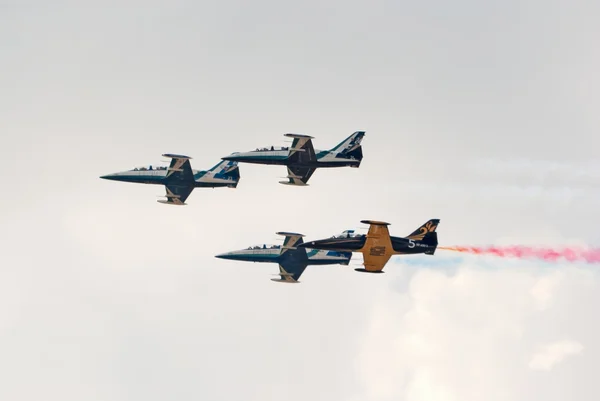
(158,176)
(272,254)
(280,157)
(400,245)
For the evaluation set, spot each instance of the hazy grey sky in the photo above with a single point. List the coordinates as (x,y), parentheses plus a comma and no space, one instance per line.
(483,115)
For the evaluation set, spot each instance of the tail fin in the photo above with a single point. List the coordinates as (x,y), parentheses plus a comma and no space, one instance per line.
(428,228)
(227,169)
(431,240)
(350,147)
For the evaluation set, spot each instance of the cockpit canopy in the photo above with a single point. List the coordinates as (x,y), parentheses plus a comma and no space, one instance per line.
(271,148)
(346,234)
(149,168)
(263,246)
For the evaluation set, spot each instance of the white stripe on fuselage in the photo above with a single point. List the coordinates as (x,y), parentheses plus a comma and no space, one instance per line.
(282,154)
(209,177)
(330,157)
(321,255)
(143,173)
(206,178)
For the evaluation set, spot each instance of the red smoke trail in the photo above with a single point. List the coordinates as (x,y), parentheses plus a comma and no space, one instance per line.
(549,254)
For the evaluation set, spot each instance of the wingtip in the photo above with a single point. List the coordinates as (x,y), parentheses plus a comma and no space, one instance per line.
(294,135)
(176,156)
(286,233)
(166,202)
(376,222)
(293,184)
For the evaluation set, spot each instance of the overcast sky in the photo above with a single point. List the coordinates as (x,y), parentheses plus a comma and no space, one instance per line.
(482,115)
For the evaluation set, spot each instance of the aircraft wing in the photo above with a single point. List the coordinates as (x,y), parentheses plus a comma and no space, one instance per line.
(291,242)
(293,260)
(180,168)
(177,194)
(378,246)
(298,175)
(290,273)
(302,150)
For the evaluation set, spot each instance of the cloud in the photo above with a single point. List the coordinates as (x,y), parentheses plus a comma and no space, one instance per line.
(543,290)
(552,354)
(460,337)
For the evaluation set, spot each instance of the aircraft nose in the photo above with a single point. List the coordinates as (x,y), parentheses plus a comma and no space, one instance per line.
(109,177)
(232,157)
(225,255)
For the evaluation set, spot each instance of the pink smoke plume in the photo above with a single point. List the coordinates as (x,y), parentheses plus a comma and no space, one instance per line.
(571,254)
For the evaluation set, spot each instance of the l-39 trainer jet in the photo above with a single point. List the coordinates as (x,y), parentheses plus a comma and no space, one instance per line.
(302,159)
(292,260)
(377,246)
(179,179)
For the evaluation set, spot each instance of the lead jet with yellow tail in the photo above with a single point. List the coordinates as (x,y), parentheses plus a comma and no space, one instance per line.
(377,246)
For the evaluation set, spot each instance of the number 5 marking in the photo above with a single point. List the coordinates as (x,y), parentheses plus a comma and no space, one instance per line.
(411,243)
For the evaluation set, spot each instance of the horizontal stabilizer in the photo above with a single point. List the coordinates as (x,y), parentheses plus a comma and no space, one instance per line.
(175,169)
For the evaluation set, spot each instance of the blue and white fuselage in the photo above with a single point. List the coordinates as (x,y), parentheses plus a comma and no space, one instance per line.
(302,159)
(280,156)
(272,254)
(158,176)
(292,259)
(180,179)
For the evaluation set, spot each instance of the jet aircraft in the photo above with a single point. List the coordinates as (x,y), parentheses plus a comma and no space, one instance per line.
(377,246)
(291,259)
(179,179)
(302,159)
